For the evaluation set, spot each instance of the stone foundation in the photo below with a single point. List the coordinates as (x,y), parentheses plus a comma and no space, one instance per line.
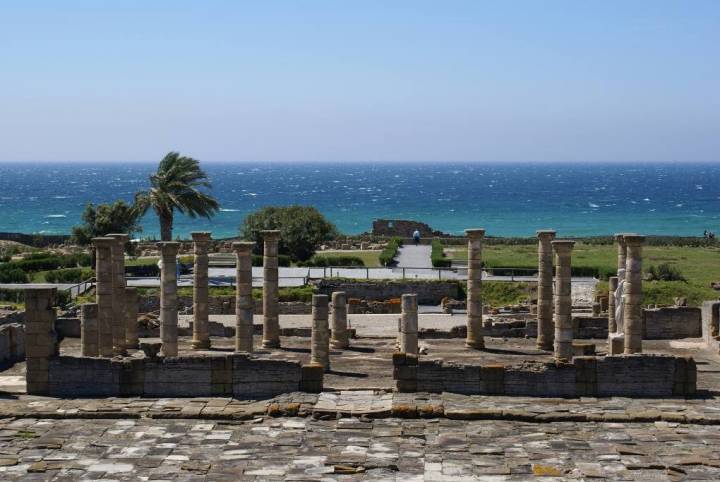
(12,344)
(221,305)
(637,376)
(428,292)
(238,375)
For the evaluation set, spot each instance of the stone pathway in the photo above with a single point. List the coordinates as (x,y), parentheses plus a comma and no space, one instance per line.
(411,256)
(353,449)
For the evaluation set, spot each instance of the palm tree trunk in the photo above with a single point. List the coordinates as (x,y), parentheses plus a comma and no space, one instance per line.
(166,225)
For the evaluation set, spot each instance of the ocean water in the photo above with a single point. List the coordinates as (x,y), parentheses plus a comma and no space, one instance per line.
(505,199)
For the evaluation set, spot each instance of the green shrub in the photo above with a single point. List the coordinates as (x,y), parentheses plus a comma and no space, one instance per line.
(340,260)
(12,274)
(664,272)
(69,275)
(437,255)
(283,260)
(47,261)
(387,257)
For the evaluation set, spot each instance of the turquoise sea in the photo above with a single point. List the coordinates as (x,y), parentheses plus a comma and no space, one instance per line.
(506,199)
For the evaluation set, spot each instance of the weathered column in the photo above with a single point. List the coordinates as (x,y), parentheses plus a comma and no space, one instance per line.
(89,330)
(563,300)
(40,339)
(271,320)
(340,337)
(612,287)
(168,298)
(201,329)
(409,324)
(545,328)
(474,337)
(104,293)
(132,339)
(320,336)
(244,303)
(118,270)
(633,295)
(621,250)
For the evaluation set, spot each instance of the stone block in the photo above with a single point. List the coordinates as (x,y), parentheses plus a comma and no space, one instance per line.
(184,376)
(83,377)
(492,379)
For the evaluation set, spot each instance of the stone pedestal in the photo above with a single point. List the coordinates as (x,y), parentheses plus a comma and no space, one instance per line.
(474,290)
(131,317)
(118,274)
(563,300)
(244,303)
(320,336)
(271,319)
(633,295)
(409,324)
(340,336)
(40,339)
(104,293)
(546,330)
(168,298)
(89,330)
(612,288)
(201,331)
(616,344)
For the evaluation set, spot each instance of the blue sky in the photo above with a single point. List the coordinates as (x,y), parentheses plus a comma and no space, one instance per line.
(363,80)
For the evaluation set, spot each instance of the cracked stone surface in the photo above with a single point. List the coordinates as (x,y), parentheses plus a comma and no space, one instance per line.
(354,449)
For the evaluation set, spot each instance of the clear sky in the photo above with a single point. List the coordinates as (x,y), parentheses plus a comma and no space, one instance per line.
(360,80)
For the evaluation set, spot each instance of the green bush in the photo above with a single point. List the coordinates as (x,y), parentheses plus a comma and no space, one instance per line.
(664,272)
(46,261)
(437,255)
(387,257)
(322,261)
(12,274)
(283,260)
(69,275)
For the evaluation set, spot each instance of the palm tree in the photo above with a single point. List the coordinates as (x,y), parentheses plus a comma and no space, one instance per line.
(176,185)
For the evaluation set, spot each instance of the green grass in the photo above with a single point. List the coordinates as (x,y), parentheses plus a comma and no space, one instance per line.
(299,293)
(370,258)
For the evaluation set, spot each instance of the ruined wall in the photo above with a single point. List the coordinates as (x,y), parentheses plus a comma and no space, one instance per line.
(237,375)
(402,228)
(428,292)
(12,344)
(672,323)
(711,325)
(221,305)
(640,375)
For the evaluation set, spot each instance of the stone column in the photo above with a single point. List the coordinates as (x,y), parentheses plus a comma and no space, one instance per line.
(612,287)
(201,330)
(104,293)
(633,295)
(340,337)
(563,300)
(545,328)
(40,339)
(474,290)
(89,330)
(271,320)
(168,298)
(621,250)
(118,270)
(131,311)
(409,324)
(320,336)
(244,303)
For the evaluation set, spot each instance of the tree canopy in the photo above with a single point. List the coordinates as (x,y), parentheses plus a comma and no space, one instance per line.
(102,219)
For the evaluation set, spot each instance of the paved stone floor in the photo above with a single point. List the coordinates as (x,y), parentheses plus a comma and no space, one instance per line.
(353,449)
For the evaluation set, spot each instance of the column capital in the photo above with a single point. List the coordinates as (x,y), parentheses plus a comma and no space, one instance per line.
(563,245)
(243,247)
(475,233)
(634,239)
(271,234)
(545,234)
(201,236)
(123,238)
(103,242)
(169,248)
(620,237)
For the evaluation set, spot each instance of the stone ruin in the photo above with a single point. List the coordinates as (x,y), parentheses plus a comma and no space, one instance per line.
(115,362)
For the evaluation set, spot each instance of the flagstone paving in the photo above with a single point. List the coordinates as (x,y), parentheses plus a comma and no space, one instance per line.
(354,449)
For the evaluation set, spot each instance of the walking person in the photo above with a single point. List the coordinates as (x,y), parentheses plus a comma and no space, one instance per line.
(416,237)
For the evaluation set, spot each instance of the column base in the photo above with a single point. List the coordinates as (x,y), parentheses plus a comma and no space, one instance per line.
(545,346)
(475,345)
(339,345)
(271,343)
(616,344)
(201,345)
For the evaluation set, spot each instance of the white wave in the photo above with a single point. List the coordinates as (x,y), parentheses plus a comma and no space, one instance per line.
(225,210)
(56,216)
(593,205)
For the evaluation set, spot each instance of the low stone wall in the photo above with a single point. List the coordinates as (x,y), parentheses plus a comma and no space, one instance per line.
(638,376)
(711,325)
(12,344)
(222,305)
(428,292)
(356,306)
(672,323)
(237,375)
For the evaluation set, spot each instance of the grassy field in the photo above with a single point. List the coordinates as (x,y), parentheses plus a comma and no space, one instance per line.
(370,258)
(699,265)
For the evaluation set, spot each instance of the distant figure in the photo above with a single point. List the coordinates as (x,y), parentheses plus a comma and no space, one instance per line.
(416,237)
